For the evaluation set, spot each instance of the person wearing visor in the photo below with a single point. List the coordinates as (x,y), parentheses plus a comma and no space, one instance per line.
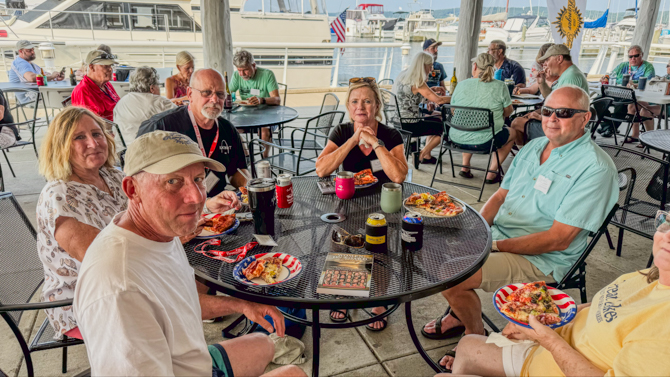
(558,189)
(23,70)
(95,92)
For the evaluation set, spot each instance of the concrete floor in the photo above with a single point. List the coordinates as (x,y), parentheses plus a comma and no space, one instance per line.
(347,352)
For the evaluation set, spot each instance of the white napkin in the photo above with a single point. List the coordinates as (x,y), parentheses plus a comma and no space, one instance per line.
(363,143)
(501,341)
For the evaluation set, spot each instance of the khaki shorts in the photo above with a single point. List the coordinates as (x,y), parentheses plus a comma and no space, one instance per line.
(506,268)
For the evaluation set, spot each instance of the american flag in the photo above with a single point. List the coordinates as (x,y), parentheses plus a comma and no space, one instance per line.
(338,26)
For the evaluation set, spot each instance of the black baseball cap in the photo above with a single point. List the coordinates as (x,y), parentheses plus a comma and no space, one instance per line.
(430,43)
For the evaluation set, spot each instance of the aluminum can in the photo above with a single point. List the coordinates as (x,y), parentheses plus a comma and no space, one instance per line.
(262,202)
(263,169)
(411,232)
(284,191)
(113,76)
(376,231)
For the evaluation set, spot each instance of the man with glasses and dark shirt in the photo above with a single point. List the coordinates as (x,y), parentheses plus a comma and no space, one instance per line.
(506,68)
(558,188)
(218,139)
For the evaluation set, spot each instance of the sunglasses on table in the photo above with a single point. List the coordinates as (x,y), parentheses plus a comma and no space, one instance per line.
(562,113)
(662,222)
(369,80)
(209,93)
(633,56)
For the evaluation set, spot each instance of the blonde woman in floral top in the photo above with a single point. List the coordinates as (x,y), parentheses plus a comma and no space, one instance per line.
(82,195)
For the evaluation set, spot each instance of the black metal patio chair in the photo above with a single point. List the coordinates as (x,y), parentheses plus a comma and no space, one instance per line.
(291,157)
(599,108)
(624,96)
(330,103)
(392,117)
(643,184)
(575,278)
(21,275)
(468,119)
(31,123)
(385,82)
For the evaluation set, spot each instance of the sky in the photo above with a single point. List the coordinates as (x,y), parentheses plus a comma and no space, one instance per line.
(393,5)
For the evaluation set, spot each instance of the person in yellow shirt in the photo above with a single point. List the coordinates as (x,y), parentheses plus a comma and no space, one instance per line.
(624,331)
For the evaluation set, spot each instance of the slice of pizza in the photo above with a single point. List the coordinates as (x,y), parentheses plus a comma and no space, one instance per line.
(219,224)
(414,199)
(364,177)
(442,198)
(272,269)
(254,269)
(532,298)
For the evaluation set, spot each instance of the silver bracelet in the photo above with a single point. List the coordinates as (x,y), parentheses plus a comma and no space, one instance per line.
(205,210)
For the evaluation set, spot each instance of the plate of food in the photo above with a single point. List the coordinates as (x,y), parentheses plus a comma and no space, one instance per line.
(437,205)
(218,225)
(552,307)
(364,179)
(526,96)
(267,269)
(243,195)
(245,103)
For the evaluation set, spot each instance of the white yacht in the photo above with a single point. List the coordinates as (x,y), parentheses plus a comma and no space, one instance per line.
(367,21)
(151,32)
(530,28)
(416,22)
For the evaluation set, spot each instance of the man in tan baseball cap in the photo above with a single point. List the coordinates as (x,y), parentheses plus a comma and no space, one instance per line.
(138,305)
(558,62)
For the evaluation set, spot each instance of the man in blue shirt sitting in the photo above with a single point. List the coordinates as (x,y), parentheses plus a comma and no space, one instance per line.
(22,70)
(506,68)
(437,76)
(558,188)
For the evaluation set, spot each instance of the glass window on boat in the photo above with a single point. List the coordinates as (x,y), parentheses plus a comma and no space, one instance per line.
(287,6)
(107,15)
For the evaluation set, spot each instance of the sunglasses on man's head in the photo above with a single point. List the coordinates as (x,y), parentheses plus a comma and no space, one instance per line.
(562,113)
(369,80)
(662,222)
(633,56)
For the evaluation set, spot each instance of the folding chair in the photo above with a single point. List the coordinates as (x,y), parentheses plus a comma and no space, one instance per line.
(21,275)
(385,82)
(576,276)
(600,107)
(31,123)
(330,103)
(393,119)
(643,183)
(292,158)
(468,119)
(624,96)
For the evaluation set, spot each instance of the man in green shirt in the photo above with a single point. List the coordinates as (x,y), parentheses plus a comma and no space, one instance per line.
(256,85)
(558,189)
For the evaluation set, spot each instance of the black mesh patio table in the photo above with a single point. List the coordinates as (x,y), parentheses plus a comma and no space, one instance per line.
(453,250)
(657,139)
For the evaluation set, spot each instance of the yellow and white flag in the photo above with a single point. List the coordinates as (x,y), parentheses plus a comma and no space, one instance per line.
(566,20)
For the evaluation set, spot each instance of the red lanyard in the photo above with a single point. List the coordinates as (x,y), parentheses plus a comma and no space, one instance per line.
(240,252)
(197,135)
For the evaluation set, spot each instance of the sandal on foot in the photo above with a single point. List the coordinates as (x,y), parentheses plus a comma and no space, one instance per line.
(449,333)
(465,174)
(450,353)
(384,321)
(631,140)
(339,320)
(430,161)
(494,180)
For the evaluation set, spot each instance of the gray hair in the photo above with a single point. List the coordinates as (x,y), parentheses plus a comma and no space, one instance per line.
(635,47)
(243,58)
(142,79)
(583,100)
(501,44)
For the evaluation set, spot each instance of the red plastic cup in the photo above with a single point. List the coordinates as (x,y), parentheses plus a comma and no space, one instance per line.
(344,185)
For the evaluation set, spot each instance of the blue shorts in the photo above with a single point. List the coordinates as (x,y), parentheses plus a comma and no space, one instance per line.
(220,362)
(499,140)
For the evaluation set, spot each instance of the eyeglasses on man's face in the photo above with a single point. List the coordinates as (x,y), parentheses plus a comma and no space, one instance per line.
(562,113)
(210,93)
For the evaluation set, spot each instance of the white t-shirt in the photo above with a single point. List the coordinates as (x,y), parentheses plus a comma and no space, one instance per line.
(135,108)
(137,307)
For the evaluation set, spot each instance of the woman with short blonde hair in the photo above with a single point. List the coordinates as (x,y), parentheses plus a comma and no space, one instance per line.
(411,90)
(364,143)
(175,86)
(82,196)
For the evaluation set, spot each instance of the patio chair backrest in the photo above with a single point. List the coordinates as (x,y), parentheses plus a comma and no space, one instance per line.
(600,107)
(391,109)
(330,103)
(283,89)
(24,98)
(21,271)
(618,93)
(385,82)
(467,119)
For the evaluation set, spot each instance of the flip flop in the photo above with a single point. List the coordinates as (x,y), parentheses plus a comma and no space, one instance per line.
(450,353)
(450,333)
(339,320)
(384,321)
(631,140)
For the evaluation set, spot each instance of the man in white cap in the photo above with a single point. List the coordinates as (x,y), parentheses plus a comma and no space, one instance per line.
(22,70)
(95,92)
(137,303)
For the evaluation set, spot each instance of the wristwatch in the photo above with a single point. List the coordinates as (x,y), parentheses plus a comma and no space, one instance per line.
(379,143)
(494,246)
(206,211)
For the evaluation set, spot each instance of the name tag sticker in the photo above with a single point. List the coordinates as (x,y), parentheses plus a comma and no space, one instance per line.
(255,92)
(376,165)
(210,181)
(542,184)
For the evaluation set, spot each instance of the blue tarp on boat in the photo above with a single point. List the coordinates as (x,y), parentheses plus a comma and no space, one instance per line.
(601,22)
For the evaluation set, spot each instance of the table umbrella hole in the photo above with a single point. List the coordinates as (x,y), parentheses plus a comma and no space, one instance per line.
(333,218)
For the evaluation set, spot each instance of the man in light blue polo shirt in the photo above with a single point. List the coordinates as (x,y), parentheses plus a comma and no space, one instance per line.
(22,70)
(559,188)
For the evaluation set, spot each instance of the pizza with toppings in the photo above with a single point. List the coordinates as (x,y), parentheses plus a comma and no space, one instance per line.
(267,269)
(219,223)
(531,299)
(364,177)
(440,204)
